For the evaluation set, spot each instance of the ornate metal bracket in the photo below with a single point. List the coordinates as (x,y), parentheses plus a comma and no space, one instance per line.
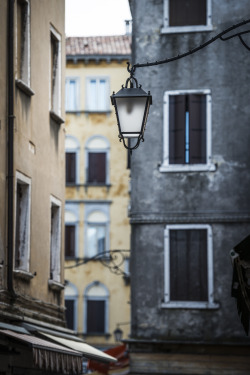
(220,36)
(112,259)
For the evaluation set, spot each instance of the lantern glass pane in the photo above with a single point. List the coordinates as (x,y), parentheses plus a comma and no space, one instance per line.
(131,112)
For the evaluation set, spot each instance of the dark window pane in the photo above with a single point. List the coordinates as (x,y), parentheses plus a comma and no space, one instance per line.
(97,167)
(188,265)
(70,167)
(177,129)
(18,224)
(70,313)
(95,316)
(69,241)
(197,129)
(187,12)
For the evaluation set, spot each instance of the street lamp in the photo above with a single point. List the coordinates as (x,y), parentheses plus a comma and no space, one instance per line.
(118,333)
(131,108)
(132,104)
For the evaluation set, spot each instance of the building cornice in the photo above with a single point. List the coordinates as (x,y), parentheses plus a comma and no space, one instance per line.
(97,58)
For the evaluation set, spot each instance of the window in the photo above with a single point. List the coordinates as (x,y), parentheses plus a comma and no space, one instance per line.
(97,161)
(23,41)
(187,131)
(97,94)
(71,298)
(22,223)
(72,94)
(55,240)
(188,266)
(96,299)
(55,71)
(187,16)
(72,148)
(71,230)
(96,234)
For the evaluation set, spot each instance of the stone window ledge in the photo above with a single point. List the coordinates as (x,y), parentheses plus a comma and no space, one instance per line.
(58,119)
(25,275)
(55,285)
(24,87)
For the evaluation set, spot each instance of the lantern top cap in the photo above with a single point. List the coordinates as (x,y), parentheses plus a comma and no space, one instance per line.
(132,92)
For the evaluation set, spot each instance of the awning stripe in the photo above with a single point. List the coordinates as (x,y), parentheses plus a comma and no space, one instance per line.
(88,351)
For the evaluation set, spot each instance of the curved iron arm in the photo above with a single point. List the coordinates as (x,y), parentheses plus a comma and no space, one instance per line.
(112,259)
(132,69)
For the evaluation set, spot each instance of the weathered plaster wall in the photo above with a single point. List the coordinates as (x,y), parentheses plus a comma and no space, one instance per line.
(220,198)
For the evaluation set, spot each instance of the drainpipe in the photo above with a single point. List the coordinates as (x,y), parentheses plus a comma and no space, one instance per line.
(10,147)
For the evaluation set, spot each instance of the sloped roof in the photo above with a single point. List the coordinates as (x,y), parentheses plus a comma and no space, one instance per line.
(98,46)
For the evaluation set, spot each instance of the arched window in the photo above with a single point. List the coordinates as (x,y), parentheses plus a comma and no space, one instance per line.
(96,233)
(71,219)
(97,161)
(96,309)
(71,298)
(72,148)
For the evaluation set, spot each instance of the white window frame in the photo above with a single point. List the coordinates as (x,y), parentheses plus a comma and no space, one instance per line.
(209,165)
(104,298)
(55,241)
(24,223)
(188,304)
(76,105)
(73,209)
(90,148)
(55,104)
(89,209)
(96,108)
(25,58)
(72,144)
(68,295)
(185,29)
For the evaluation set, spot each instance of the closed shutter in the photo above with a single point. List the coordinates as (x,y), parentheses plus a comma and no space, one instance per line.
(197,129)
(177,129)
(188,265)
(69,241)
(187,12)
(97,167)
(70,313)
(70,167)
(95,316)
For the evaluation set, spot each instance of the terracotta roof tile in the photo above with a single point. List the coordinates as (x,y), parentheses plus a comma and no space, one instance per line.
(98,45)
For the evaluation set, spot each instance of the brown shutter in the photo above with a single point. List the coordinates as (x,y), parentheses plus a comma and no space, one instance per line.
(95,316)
(197,129)
(69,241)
(177,129)
(69,313)
(97,167)
(187,12)
(188,265)
(70,167)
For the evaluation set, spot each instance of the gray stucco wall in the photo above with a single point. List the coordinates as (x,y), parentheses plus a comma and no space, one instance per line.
(220,198)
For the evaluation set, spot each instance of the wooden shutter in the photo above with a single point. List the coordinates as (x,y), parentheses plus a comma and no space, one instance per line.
(95,316)
(70,313)
(70,167)
(97,167)
(69,241)
(187,12)
(188,265)
(177,129)
(197,129)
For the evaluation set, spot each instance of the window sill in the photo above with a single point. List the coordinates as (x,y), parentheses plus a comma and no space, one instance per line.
(25,275)
(186,29)
(55,285)
(187,167)
(96,111)
(96,185)
(190,305)
(107,335)
(54,116)
(24,87)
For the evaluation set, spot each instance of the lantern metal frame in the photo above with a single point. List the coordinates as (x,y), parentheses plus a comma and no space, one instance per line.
(126,93)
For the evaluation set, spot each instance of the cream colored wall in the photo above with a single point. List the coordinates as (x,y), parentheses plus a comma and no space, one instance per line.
(82,126)
(39,148)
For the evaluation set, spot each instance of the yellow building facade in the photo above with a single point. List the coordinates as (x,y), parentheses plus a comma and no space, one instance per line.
(97,191)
